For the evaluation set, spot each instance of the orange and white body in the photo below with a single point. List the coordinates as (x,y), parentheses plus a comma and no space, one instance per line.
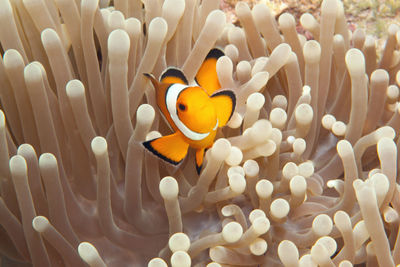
(194,112)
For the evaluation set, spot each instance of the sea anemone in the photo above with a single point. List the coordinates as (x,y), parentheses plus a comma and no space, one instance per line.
(305,173)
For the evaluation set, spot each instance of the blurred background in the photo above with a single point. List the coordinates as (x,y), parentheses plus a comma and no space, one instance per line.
(374,16)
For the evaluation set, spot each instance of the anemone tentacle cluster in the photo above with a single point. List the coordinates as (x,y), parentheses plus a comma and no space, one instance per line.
(305,173)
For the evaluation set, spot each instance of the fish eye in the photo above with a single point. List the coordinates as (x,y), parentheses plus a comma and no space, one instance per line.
(182,107)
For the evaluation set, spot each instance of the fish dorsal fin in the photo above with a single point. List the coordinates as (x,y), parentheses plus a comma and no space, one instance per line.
(207,76)
(224,103)
(171,148)
(173,75)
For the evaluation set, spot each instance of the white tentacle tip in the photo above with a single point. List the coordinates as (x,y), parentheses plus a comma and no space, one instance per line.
(232,232)
(32,73)
(169,188)
(157,262)
(261,225)
(279,208)
(40,223)
(221,149)
(344,148)
(99,145)
(216,16)
(118,44)
(237,183)
(47,160)
(386,145)
(75,88)
(312,51)
(258,247)
(251,168)
(288,252)
(235,156)
(264,188)
(18,165)
(255,214)
(179,242)
(88,253)
(145,113)
(327,247)
(50,37)
(158,29)
(322,225)
(286,20)
(181,259)
(355,62)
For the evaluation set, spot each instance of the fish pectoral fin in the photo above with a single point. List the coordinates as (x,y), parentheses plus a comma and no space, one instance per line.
(171,148)
(224,103)
(199,159)
(207,76)
(173,75)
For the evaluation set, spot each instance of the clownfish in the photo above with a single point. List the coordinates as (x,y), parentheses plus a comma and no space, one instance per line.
(194,112)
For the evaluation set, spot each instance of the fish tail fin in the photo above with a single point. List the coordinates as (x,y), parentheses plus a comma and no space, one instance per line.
(199,159)
(171,148)
(152,79)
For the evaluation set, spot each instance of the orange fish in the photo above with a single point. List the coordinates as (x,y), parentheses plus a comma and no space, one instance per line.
(195,112)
